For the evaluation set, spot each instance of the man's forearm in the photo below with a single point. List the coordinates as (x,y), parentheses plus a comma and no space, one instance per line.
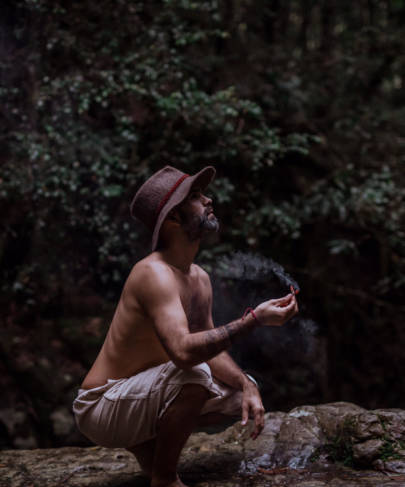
(225,369)
(204,345)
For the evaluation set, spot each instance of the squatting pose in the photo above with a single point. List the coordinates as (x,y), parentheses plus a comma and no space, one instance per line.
(163,369)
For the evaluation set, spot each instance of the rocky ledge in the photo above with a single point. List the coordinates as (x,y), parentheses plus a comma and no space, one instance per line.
(337,444)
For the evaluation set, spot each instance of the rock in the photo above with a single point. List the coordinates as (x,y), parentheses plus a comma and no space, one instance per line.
(311,483)
(393,421)
(367,426)
(395,466)
(101,467)
(75,467)
(368,451)
(259,451)
(294,439)
(230,458)
(332,417)
(299,437)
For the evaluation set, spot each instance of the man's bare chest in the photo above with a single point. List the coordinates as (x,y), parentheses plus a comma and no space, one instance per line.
(196,307)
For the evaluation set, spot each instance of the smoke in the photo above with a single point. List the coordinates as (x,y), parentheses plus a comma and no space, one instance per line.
(308,327)
(253,267)
(289,361)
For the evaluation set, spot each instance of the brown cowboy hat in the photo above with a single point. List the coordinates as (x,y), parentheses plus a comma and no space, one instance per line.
(163,191)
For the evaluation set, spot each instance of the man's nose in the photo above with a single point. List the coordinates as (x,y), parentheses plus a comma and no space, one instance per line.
(207,201)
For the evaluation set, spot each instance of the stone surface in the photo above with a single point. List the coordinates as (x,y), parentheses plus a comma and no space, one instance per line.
(396,465)
(393,421)
(333,416)
(367,426)
(299,437)
(283,455)
(368,451)
(67,466)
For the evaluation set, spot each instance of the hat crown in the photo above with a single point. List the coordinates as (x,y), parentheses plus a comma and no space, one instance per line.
(152,193)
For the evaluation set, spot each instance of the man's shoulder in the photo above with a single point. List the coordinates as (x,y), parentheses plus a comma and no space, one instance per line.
(149,271)
(202,274)
(150,266)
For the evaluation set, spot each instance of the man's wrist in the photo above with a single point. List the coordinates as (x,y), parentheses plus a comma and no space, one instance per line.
(248,381)
(250,317)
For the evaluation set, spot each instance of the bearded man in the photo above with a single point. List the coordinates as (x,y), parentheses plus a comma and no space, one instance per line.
(163,369)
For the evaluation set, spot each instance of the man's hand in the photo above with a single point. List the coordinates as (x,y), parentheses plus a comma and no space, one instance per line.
(276,312)
(252,405)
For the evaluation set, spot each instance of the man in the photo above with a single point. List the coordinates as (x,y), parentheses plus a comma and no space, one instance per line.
(163,368)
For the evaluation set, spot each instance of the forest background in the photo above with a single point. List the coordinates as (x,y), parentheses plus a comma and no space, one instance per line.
(300,107)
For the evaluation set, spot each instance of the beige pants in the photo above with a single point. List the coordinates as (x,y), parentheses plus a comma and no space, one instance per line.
(125,412)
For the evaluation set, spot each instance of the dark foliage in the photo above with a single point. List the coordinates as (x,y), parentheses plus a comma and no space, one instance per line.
(299,105)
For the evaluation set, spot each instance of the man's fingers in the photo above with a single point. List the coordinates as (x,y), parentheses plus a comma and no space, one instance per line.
(287,312)
(289,308)
(259,422)
(292,308)
(281,301)
(245,414)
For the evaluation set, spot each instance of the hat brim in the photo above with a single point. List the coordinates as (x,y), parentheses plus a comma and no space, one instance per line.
(203,178)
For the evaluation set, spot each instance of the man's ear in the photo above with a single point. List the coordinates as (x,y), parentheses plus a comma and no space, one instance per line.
(174,216)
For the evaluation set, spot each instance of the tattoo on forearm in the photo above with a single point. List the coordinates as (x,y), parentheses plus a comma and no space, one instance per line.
(216,340)
(212,342)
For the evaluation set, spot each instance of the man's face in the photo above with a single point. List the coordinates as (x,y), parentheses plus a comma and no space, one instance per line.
(197,216)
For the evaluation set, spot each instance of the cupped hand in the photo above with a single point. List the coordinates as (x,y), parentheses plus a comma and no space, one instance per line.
(276,312)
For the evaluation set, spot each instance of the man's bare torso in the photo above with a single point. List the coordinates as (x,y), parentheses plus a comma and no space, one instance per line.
(131,344)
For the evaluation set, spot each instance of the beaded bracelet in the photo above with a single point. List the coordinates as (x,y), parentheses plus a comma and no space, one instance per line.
(251,311)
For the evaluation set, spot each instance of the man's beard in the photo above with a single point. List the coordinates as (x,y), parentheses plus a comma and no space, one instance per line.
(198,226)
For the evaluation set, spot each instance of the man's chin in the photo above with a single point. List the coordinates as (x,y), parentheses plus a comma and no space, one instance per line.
(211,225)
(205,227)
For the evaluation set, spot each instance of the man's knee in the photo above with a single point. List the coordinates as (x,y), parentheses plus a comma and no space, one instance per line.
(195,391)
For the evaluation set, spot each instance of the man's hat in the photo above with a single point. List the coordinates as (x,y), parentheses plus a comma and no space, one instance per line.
(163,191)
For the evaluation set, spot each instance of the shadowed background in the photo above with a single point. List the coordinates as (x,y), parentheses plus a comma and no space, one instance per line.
(300,107)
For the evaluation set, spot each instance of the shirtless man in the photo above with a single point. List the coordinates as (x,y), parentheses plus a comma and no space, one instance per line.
(163,369)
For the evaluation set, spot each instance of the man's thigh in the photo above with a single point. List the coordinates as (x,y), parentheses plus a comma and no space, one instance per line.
(127,414)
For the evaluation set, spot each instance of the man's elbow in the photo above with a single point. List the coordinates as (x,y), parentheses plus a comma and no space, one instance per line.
(183,360)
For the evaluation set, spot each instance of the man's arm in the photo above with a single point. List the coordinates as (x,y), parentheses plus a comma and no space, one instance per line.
(226,370)
(222,366)
(158,293)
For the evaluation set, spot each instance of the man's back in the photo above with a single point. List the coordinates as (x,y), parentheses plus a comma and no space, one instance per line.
(131,344)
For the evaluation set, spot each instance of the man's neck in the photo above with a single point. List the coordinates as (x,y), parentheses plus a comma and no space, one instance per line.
(180,254)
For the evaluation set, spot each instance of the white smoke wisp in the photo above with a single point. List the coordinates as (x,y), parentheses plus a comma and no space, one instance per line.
(253,267)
